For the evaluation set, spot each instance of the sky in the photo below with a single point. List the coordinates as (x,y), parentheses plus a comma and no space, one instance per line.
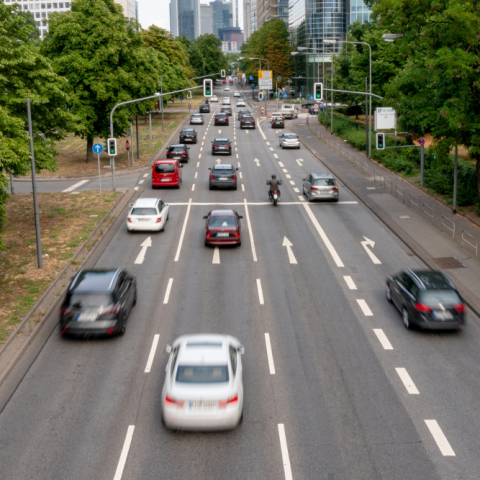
(157,12)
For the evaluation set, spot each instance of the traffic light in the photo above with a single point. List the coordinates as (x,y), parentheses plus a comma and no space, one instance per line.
(260,95)
(105,145)
(207,88)
(380,141)
(222,74)
(157,105)
(112,147)
(318,91)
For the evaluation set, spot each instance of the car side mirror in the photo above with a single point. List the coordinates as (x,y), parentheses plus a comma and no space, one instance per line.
(241,350)
(130,204)
(303,180)
(209,167)
(168,349)
(205,217)
(236,169)
(181,166)
(240,216)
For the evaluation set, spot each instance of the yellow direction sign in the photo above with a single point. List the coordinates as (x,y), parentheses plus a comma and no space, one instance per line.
(265,79)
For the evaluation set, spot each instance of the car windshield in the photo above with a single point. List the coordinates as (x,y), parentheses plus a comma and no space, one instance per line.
(444,297)
(144,211)
(202,374)
(89,300)
(220,115)
(324,182)
(222,221)
(164,168)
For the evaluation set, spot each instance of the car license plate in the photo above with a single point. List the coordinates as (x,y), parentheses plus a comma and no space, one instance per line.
(442,315)
(221,148)
(223,178)
(87,317)
(177,158)
(165,180)
(222,234)
(202,405)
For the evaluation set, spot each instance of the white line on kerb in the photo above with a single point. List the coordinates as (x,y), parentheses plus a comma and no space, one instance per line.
(260,292)
(135,188)
(123,455)
(254,253)
(365,308)
(152,353)
(440,438)
(281,164)
(216,256)
(350,283)
(383,339)
(271,365)
(167,292)
(323,236)
(73,187)
(284,448)
(407,381)
(177,256)
(140,182)
(296,190)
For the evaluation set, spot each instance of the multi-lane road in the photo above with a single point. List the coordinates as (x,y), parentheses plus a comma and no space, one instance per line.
(335,387)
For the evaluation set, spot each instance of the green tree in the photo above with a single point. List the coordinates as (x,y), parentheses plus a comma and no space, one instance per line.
(104,58)
(30,20)
(209,46)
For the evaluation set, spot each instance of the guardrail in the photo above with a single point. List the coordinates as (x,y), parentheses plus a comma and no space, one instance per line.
(443,224)
(431,215)
(410,201)
(465,240)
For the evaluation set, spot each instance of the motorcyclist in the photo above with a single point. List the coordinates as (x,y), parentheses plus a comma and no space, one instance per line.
(274,183)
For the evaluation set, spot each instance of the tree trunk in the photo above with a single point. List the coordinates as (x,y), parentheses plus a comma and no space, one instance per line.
(89,149)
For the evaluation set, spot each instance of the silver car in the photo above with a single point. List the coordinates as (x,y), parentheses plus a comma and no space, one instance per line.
(320,186)
(289,140)
(196,118)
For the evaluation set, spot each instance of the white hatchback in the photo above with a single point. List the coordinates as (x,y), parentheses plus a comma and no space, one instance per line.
(226,101)
(147,214)
(240,103)
(236,94)
(203,387)
(214,98)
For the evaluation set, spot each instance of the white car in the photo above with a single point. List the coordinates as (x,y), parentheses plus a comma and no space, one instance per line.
(276,114)
(214,98)
(226,89)
(147,214)
(203,387)
(240,103)
(236,94)
(289,140)
(226,101)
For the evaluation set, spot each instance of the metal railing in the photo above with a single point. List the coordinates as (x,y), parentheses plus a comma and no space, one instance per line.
(410,201)
(443,224)
(465,240)
(431,215)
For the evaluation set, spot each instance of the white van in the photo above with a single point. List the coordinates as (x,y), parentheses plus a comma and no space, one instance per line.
(289,111)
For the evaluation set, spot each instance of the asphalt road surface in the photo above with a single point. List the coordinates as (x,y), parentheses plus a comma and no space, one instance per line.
(347,392)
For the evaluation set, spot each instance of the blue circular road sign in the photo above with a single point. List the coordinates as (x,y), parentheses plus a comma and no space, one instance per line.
(97,148)
(251,77)
(181,97)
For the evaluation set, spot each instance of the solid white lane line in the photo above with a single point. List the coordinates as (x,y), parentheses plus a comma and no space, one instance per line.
(254,253)
(152,353)
(177,256)
(292,182)
(271,365)
(300,197)
(323,236)
(243,187)
(167,292)
(216,256)
(296,190)
(193,187)
(73,187)
(283,446)
(240,173)
(440,438)
(281,164)
(196,173)
(365,308)
(383,339)
(198,164)
(407,381)
(260,292)
(261,131)
(146,175)
(350,283)
(123,455)
(140,182)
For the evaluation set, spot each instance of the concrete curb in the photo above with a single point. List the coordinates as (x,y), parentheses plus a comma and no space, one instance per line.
(17,343)
(471,299)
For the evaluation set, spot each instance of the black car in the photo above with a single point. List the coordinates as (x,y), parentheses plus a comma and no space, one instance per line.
(98,303)
(247,121)
(221,119)
(223,176)
(188,135)
(278,122)
(178,152)
(426,299)
(308,104)
(226,110)
(222,145)
(243,112)
(205,108)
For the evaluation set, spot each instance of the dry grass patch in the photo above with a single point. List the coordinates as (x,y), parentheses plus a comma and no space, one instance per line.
(65,222)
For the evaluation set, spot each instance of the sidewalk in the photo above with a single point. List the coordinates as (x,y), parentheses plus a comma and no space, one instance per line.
(439,238)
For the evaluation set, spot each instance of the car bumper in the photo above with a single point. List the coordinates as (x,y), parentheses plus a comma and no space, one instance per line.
(324,196)
(222,241)
(290,145)
(147,227)
(89,329)
(221,123)
(173,183)
(223,184)
(188,140)
(215,152)
(247,125)
(219,419)
(439,325)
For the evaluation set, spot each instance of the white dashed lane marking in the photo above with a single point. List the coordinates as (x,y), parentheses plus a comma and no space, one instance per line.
(365,308)
(268,345)
(350,283)
(440,438)
(407,381)
(383,339)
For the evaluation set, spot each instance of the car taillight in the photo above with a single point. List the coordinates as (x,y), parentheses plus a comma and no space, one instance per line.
(169,401)
(129,220)
(229,146)
(113,310)
(236,234)
(423,308)
(460,308)
(230,401)
(297,140)
(183,153)
(159,219)
(215,146)
(208,234)
(335,188)
(234,176)
(313,188)
(212,176)
(65,310)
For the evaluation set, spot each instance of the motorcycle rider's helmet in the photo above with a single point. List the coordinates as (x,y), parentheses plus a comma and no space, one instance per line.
(274,176)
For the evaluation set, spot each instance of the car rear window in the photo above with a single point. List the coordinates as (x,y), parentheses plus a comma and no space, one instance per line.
(188,132)
(435,297)
(87,300)
(221,142)
(164,168)
(247,117)
(202,374)
(220,115)
(324,182)
(144,211)
(223,221)
(290,136)
(176,149)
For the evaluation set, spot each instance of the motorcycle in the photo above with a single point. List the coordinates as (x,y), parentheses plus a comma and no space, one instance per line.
(275,195)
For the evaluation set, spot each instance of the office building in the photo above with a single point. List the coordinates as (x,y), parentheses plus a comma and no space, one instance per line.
(234,13)
(206,19)
(221,15)
(246,19)
(185,18)
(268,9)
(253,16)
(129,8)
(231,35)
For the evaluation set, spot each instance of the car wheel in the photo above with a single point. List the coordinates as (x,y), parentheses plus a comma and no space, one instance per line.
(388,293)
(135,297)
(406,319)
(124,327)
(298,147)
(210,187)
(235,187)
(239,244)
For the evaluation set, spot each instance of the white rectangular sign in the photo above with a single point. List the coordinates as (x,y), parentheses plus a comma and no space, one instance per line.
(265,83)
(385,118)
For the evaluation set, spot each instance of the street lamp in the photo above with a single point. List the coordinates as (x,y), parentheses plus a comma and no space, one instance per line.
(391,37)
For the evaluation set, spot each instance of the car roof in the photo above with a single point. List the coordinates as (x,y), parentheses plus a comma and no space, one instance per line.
(166,160)
(198,114)
(322,175)
(432,279)
(204,349)
(220,113)
(146,202)
(188,130)
(94,281)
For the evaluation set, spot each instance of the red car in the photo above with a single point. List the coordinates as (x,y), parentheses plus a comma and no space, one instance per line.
(166,173)
(223,228)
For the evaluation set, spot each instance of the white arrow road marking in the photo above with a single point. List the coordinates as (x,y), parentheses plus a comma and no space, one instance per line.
(141,256)
(218,160)
(124,454)
(257,161)
(76,185)
(287,243)
(216,256)
(370,243)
